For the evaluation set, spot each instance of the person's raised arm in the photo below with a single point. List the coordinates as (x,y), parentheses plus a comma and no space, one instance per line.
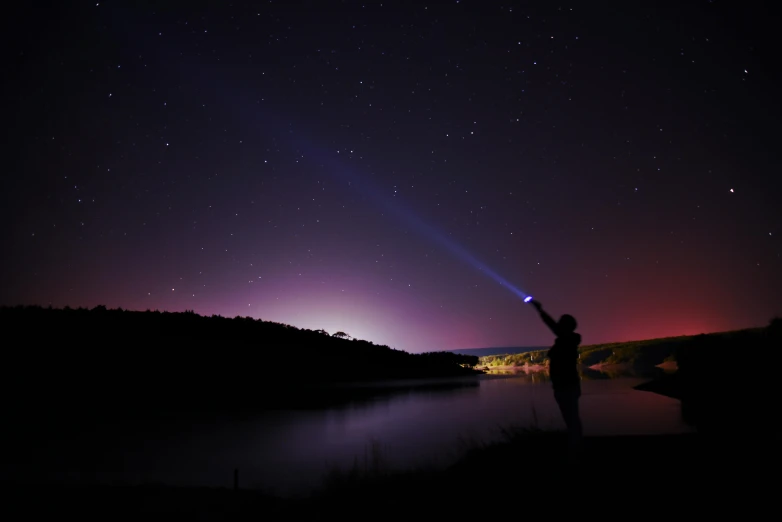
(550,322)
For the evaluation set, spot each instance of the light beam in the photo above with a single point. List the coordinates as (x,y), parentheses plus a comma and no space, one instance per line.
(406,215)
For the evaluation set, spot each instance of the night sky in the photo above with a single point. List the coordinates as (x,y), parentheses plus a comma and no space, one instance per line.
(366,166)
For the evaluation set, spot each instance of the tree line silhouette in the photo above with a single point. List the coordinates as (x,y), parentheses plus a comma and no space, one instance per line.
(108,360)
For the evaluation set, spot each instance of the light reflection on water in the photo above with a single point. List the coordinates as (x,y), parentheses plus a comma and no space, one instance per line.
(289,451)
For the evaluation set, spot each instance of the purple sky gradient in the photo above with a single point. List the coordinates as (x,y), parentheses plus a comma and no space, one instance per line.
(311,165)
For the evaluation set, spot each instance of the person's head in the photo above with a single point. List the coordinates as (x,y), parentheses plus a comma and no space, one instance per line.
(568,323)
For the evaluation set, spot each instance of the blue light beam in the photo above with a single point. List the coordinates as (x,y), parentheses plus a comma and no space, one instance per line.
(455,248)
(229,91)
(409,217)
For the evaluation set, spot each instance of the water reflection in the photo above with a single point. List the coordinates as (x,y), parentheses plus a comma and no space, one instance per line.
(361,395)
(290,451)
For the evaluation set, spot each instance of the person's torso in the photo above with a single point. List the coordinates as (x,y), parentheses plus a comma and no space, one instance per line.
(563,357)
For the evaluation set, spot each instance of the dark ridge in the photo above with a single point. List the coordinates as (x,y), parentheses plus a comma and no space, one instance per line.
(116,362)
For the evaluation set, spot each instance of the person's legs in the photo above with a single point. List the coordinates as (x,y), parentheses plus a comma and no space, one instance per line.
(567,399)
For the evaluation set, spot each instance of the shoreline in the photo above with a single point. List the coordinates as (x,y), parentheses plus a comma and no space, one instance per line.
(527,368)
(402,383)
(667,366)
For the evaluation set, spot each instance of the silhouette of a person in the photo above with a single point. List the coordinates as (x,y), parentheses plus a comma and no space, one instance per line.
(563,370)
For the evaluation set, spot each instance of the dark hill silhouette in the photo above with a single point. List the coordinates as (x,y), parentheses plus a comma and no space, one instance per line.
(727,381)
(116,361)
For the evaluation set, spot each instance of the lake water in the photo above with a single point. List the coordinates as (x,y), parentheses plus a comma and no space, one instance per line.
(288,452)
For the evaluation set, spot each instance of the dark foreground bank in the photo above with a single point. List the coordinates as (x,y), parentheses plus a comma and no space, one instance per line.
(613,477)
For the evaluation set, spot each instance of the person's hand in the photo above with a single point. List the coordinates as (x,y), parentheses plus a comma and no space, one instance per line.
(536,304)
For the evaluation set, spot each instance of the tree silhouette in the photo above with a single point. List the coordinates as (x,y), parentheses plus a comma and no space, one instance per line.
(176,379)
(341,335)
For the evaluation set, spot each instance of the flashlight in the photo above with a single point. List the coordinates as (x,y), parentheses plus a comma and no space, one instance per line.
(528,299)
